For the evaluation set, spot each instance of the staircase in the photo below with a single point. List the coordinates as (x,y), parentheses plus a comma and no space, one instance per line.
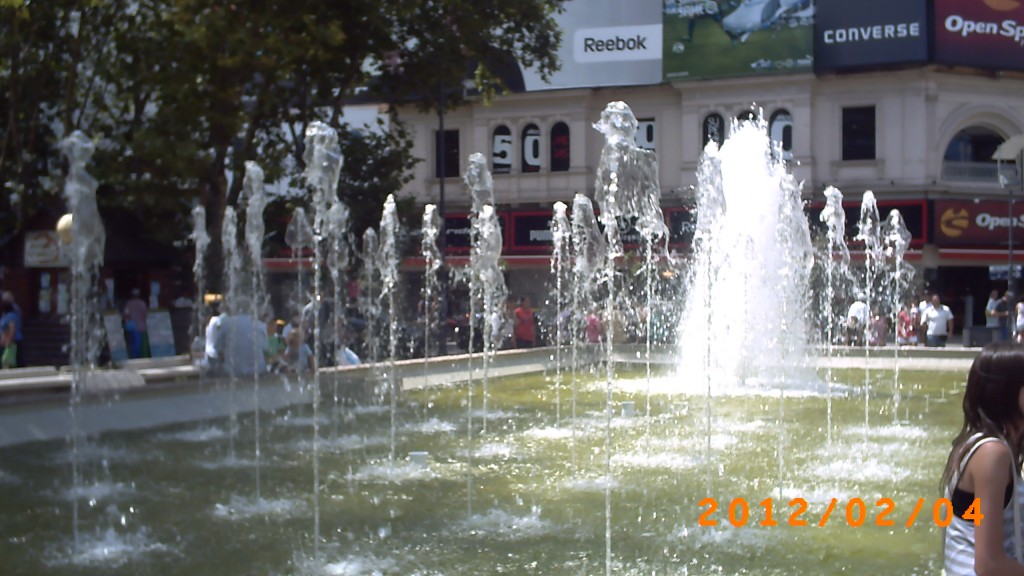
(46,340)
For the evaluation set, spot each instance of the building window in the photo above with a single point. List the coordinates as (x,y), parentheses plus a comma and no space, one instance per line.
(531,148)
(780,128)
(973,144)
(560,147)
(447,152)
(713,130)
(501,150)
(968,157)
(645,134)
(746,116)
(859,133)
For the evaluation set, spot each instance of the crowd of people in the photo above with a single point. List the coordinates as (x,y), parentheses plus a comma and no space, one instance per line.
(930,322)
(235,343)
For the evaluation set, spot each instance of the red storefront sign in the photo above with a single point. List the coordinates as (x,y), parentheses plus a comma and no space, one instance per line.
(984,223)
(981,33)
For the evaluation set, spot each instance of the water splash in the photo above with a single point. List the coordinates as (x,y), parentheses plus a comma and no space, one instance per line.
(487,282)
(256,203)
(323,159)
(388,261)
(430,231)
(561,236)
(869,232)
(201,239)
(589,249)
(749,210)
(836,261)
(895,242)
(627,191)
(86,249)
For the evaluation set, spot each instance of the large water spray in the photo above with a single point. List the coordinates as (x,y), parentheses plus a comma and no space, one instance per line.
(745,314)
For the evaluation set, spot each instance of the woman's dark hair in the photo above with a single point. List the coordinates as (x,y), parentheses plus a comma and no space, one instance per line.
(6,306)
(991,403)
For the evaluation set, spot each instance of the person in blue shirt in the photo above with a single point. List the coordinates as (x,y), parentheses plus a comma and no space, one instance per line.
(8,298)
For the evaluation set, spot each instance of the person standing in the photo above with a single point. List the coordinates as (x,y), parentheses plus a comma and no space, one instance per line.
(982,477)
(938,321)
(906,325)
(856,322)
(992,312)
(1003,315)
(594,329)
(525,330)
(135,314)
(8,298)
(8,346)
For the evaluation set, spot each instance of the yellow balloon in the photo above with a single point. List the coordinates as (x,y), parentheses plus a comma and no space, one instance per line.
(64,228)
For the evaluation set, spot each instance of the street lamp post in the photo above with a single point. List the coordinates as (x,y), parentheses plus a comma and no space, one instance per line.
(1010,150)
(442,347)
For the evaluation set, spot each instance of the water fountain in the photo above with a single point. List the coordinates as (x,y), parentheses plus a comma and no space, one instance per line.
(534,509)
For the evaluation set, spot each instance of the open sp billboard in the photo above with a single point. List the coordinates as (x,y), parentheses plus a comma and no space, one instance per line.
(722,38)
(867,33)
(980,33)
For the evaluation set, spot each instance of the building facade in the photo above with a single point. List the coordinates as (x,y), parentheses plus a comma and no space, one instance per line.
(917,122)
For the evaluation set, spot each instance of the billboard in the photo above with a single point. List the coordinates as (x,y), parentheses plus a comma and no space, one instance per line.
(969,223)
(869,33)
(605,43)
(720,38)
(980,33)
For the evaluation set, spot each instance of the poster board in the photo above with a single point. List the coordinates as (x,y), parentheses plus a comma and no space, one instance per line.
(115,337)
(161,334)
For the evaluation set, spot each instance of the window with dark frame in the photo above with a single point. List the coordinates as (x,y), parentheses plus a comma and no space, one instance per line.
(859,133)
(560,147)
(713,130)
(530,151)
(449,150)
(780,128)
(501,150)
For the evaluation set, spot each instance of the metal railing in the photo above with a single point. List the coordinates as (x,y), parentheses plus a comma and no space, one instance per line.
(978,172)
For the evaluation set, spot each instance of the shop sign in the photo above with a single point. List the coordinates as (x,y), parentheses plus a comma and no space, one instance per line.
(980,33)
(914,213)
(968,223)
(42,250)
(531,231)
(869,33)
(458,230)
(682,223)
(604,43)
(998,272)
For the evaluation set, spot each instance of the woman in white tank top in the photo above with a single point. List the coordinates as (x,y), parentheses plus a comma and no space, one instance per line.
(982,476)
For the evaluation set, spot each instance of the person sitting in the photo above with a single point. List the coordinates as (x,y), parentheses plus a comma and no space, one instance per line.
(275,344)
(297,356)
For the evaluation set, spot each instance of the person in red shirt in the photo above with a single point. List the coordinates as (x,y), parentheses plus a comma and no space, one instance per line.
(525,332)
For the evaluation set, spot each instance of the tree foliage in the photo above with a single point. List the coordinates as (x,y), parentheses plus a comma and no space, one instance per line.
(180,93)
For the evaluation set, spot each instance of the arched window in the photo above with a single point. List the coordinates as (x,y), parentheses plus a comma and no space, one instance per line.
(746,116)
(713,130)
(968,157)
(531,148)
(973,144)
(780,128)
(560,147)
(645,134)
(501,150)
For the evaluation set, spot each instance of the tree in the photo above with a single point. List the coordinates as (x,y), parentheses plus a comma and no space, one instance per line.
(182,92)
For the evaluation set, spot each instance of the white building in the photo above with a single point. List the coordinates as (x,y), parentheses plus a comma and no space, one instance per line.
(878,112)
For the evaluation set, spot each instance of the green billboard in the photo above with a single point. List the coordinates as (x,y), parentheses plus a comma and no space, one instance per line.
(722,38)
